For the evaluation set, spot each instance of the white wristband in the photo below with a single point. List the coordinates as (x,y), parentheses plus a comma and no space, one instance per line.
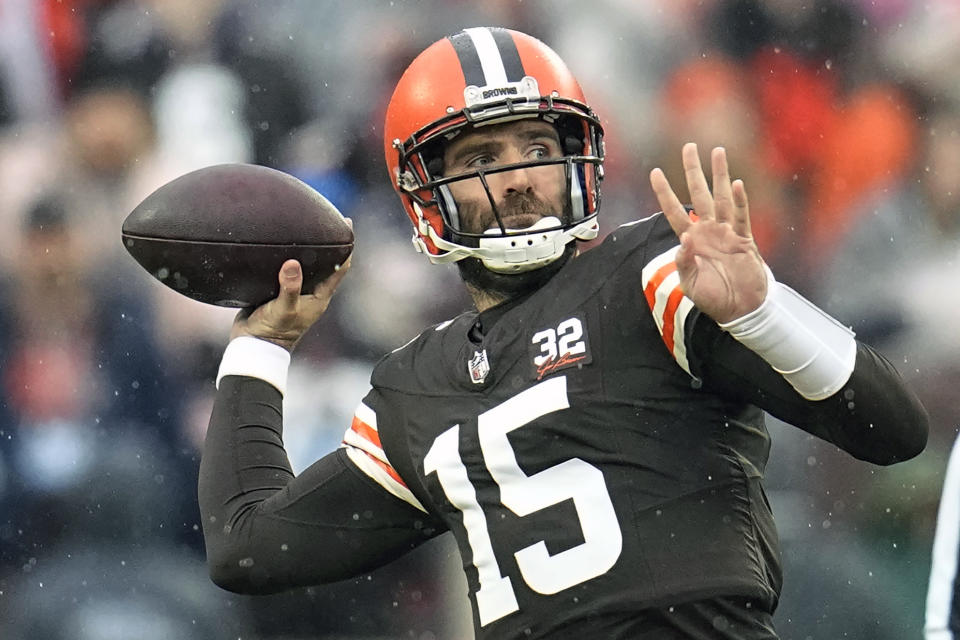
(255,358)
(812,351)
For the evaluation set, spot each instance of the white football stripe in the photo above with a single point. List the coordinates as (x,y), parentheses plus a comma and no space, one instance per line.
(490,60)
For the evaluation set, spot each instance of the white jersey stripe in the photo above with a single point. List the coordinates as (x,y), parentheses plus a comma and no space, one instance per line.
(943,570)
(381,477)
(663,293)
(654,265)
(366,415)
(667,287)
(354,439)
(490,60)
(365,454)
(636,222)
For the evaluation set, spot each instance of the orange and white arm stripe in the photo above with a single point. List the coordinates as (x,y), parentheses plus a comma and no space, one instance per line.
(670,308)
(362,442)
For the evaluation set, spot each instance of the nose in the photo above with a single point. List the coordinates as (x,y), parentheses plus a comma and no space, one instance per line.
(516,181)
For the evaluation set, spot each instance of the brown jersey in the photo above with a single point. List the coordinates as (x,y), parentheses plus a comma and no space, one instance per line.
(596,448)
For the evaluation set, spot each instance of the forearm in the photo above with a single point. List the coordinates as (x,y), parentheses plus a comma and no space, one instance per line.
(242,466)
(873,415)
(244,463)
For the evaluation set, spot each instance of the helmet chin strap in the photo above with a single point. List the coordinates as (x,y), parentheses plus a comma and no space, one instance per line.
(540,244)
(523,250)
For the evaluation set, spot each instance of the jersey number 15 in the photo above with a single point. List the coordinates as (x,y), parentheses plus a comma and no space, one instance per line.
(572,479)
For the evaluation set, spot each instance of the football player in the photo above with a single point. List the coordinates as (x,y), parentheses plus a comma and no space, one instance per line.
(592,434)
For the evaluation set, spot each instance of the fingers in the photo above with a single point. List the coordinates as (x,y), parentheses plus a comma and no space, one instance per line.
(326,288)
(722,191)
(741,210)
(685,258)
(727,203)
(700,196)
(671,206)
(291,280)
(312,306)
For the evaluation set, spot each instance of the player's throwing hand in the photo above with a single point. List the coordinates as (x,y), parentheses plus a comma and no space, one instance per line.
(285,319)
(720,268)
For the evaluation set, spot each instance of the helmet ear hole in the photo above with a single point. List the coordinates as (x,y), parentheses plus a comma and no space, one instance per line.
(572,145)
(435,167)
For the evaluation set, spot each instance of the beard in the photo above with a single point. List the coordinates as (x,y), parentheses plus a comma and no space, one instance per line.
(499,287)
(517,211)
(521,211)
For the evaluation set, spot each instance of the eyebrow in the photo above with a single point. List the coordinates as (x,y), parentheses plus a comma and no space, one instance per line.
(476,147)
(480,145)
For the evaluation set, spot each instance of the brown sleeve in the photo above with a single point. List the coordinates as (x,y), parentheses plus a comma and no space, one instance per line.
(267,530)
(874,417)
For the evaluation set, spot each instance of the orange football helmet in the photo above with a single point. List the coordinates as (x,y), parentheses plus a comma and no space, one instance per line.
(478,77)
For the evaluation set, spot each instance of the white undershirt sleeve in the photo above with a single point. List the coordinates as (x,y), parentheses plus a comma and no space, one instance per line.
(255,358)
(811,350)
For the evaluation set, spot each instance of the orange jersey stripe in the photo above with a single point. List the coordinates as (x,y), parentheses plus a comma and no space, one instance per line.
(390,470)
(367,433)
(651,289)
(669,315)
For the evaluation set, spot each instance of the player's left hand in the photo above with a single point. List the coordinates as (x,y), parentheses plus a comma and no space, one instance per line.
(719,264)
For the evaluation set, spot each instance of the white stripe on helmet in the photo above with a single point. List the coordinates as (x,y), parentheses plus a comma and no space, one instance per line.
(493,70)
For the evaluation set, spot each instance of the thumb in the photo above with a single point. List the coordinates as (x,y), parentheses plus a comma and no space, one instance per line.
(291,281)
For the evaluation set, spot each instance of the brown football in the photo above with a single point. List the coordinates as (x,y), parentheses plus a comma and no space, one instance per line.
(220,234)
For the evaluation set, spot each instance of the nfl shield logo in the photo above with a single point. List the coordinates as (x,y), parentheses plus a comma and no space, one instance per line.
(479,367)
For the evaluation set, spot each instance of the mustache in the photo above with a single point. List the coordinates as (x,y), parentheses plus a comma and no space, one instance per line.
(518,206)
(520,210)
(522,203)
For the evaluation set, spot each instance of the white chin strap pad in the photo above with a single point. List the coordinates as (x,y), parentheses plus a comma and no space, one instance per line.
(531,250)
(523,250)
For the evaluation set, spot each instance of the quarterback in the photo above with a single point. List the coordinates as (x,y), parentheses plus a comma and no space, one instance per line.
(592,434)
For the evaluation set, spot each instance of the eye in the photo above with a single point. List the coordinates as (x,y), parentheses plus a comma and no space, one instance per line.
(541,151)
(480,161)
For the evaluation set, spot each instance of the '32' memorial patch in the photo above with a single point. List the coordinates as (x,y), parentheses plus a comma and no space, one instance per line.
(561,347)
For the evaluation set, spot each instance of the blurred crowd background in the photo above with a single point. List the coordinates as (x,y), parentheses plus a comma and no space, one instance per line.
(843,118)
